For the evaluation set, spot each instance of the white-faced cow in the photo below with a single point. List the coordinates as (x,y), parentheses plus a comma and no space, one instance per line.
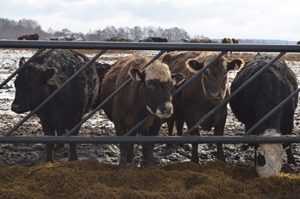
(257,99)
(149,92)
(43,76)
(202,95)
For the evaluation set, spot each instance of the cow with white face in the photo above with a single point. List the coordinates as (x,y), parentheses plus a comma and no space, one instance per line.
(257,99)
(149,92)
(268,157)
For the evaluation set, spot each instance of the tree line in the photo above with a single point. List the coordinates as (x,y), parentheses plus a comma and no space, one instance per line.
(11,29)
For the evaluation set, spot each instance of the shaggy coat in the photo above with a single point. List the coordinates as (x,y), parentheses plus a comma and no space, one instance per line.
(271,87)
(42,77)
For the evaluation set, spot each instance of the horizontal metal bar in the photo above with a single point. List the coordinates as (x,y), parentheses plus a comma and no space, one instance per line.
(149,139)
(149,46)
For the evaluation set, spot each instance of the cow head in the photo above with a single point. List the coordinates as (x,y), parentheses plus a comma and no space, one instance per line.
(156,86)
(269,157)
(214,79)
(32,86)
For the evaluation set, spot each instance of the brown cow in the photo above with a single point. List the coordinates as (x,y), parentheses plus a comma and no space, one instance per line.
(148,92)
(202,95)
(229,41)
(34,36)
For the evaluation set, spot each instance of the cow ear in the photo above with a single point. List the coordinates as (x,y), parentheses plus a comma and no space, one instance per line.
(136,74)
(50,74)
(194,65)
(22,61)
(177,78)
(235,64)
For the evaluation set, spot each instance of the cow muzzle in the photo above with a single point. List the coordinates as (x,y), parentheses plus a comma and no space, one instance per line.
(163,111)
(269,159)
(215,96)
(16,108)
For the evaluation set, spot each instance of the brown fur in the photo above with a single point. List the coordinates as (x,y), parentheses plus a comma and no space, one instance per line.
(229,41)
(141,97)
(34,36)
(202,95)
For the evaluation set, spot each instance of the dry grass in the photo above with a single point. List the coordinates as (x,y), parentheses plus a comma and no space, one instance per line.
(91,179)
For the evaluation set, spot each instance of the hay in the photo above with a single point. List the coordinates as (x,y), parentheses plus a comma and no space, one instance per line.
(91,179)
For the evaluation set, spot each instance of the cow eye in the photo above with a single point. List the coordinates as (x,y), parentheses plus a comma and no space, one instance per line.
(150,83)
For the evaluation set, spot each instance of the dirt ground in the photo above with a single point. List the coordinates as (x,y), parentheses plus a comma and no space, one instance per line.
(26,160)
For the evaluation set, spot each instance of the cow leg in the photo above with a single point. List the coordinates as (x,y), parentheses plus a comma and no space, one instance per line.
(195,155)
(124,148)
(73,152)
(148,148)
(170,123)
(287,128)
(49,130)
(59,146)
(220,118)
(130,154)
(290,156)
(179,127)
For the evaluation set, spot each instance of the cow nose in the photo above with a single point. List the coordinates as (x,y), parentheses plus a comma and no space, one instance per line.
(16,108)
(166,108)
(216,95)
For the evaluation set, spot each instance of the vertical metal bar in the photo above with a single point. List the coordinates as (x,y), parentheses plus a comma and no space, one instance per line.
(21,67)
(178,90)
(55,92)
(272,111)
(111,96)
(225,101)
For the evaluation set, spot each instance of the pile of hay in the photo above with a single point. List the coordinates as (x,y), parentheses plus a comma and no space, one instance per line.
(91,179)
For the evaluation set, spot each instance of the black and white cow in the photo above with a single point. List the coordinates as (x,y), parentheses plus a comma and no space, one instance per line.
(257,99)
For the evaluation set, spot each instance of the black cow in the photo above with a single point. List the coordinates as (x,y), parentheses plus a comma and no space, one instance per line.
(154,39)
(149,92)
(42,77)
(257,99)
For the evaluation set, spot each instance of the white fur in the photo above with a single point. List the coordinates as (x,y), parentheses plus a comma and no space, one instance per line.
(159,71)
(273,154)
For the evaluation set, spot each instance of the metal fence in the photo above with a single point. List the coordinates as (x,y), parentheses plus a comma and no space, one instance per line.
(162,48)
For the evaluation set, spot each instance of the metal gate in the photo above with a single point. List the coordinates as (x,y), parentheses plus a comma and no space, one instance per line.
(162,47)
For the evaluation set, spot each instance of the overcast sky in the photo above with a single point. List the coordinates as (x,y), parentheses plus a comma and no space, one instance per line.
(244,19)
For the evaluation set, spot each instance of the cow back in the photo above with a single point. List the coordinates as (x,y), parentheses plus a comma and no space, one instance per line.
(258,98)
